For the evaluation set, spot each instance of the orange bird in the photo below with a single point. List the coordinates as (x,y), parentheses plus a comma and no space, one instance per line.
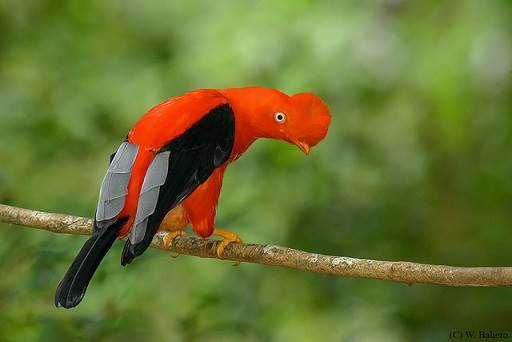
(168,172)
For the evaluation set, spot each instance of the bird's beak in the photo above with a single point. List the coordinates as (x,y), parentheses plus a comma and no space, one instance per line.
(303,146)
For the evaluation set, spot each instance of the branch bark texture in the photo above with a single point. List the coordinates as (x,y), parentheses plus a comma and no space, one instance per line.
(341,266)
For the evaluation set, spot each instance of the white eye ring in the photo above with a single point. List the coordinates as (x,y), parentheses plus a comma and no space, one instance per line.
(280,117)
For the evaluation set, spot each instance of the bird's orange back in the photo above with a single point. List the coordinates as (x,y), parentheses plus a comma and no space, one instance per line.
(171,118)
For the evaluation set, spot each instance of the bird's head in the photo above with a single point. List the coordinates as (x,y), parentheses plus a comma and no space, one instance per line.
(302,119)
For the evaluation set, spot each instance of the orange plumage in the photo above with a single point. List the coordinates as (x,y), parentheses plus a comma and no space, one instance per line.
(307,122)
(173,164)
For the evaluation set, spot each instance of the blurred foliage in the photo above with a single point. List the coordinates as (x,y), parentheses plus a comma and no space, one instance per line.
(416,165)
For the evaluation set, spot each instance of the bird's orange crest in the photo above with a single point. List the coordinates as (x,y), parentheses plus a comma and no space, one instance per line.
(311,119)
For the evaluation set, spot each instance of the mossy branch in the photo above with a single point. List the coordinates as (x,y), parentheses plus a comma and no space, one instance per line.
(399,271)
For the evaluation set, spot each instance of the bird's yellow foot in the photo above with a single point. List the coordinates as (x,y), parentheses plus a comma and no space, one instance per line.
(228,236)
(169,237)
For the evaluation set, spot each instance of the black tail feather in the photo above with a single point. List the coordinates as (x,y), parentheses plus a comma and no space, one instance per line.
(72,288)
(131,251)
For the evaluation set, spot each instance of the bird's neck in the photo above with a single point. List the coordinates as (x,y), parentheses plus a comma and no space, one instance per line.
(246,132)
(243,139)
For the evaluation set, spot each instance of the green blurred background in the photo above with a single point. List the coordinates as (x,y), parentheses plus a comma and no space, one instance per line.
(416,166)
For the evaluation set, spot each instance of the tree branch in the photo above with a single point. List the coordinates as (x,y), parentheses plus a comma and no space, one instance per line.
(400,271)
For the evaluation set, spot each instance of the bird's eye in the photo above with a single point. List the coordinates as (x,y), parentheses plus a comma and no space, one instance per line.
(280,117)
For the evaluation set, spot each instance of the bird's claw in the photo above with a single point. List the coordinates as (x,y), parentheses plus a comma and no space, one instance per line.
(228,237)
(169,238)
(221,246)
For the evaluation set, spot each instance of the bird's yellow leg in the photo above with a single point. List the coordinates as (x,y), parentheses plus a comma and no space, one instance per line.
(228,237)
(173,224)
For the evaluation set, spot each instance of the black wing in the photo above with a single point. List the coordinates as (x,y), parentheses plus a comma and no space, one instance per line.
(190,159)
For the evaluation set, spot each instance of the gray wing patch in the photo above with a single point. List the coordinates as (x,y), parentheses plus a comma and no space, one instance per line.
(155,178)
(115,184)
